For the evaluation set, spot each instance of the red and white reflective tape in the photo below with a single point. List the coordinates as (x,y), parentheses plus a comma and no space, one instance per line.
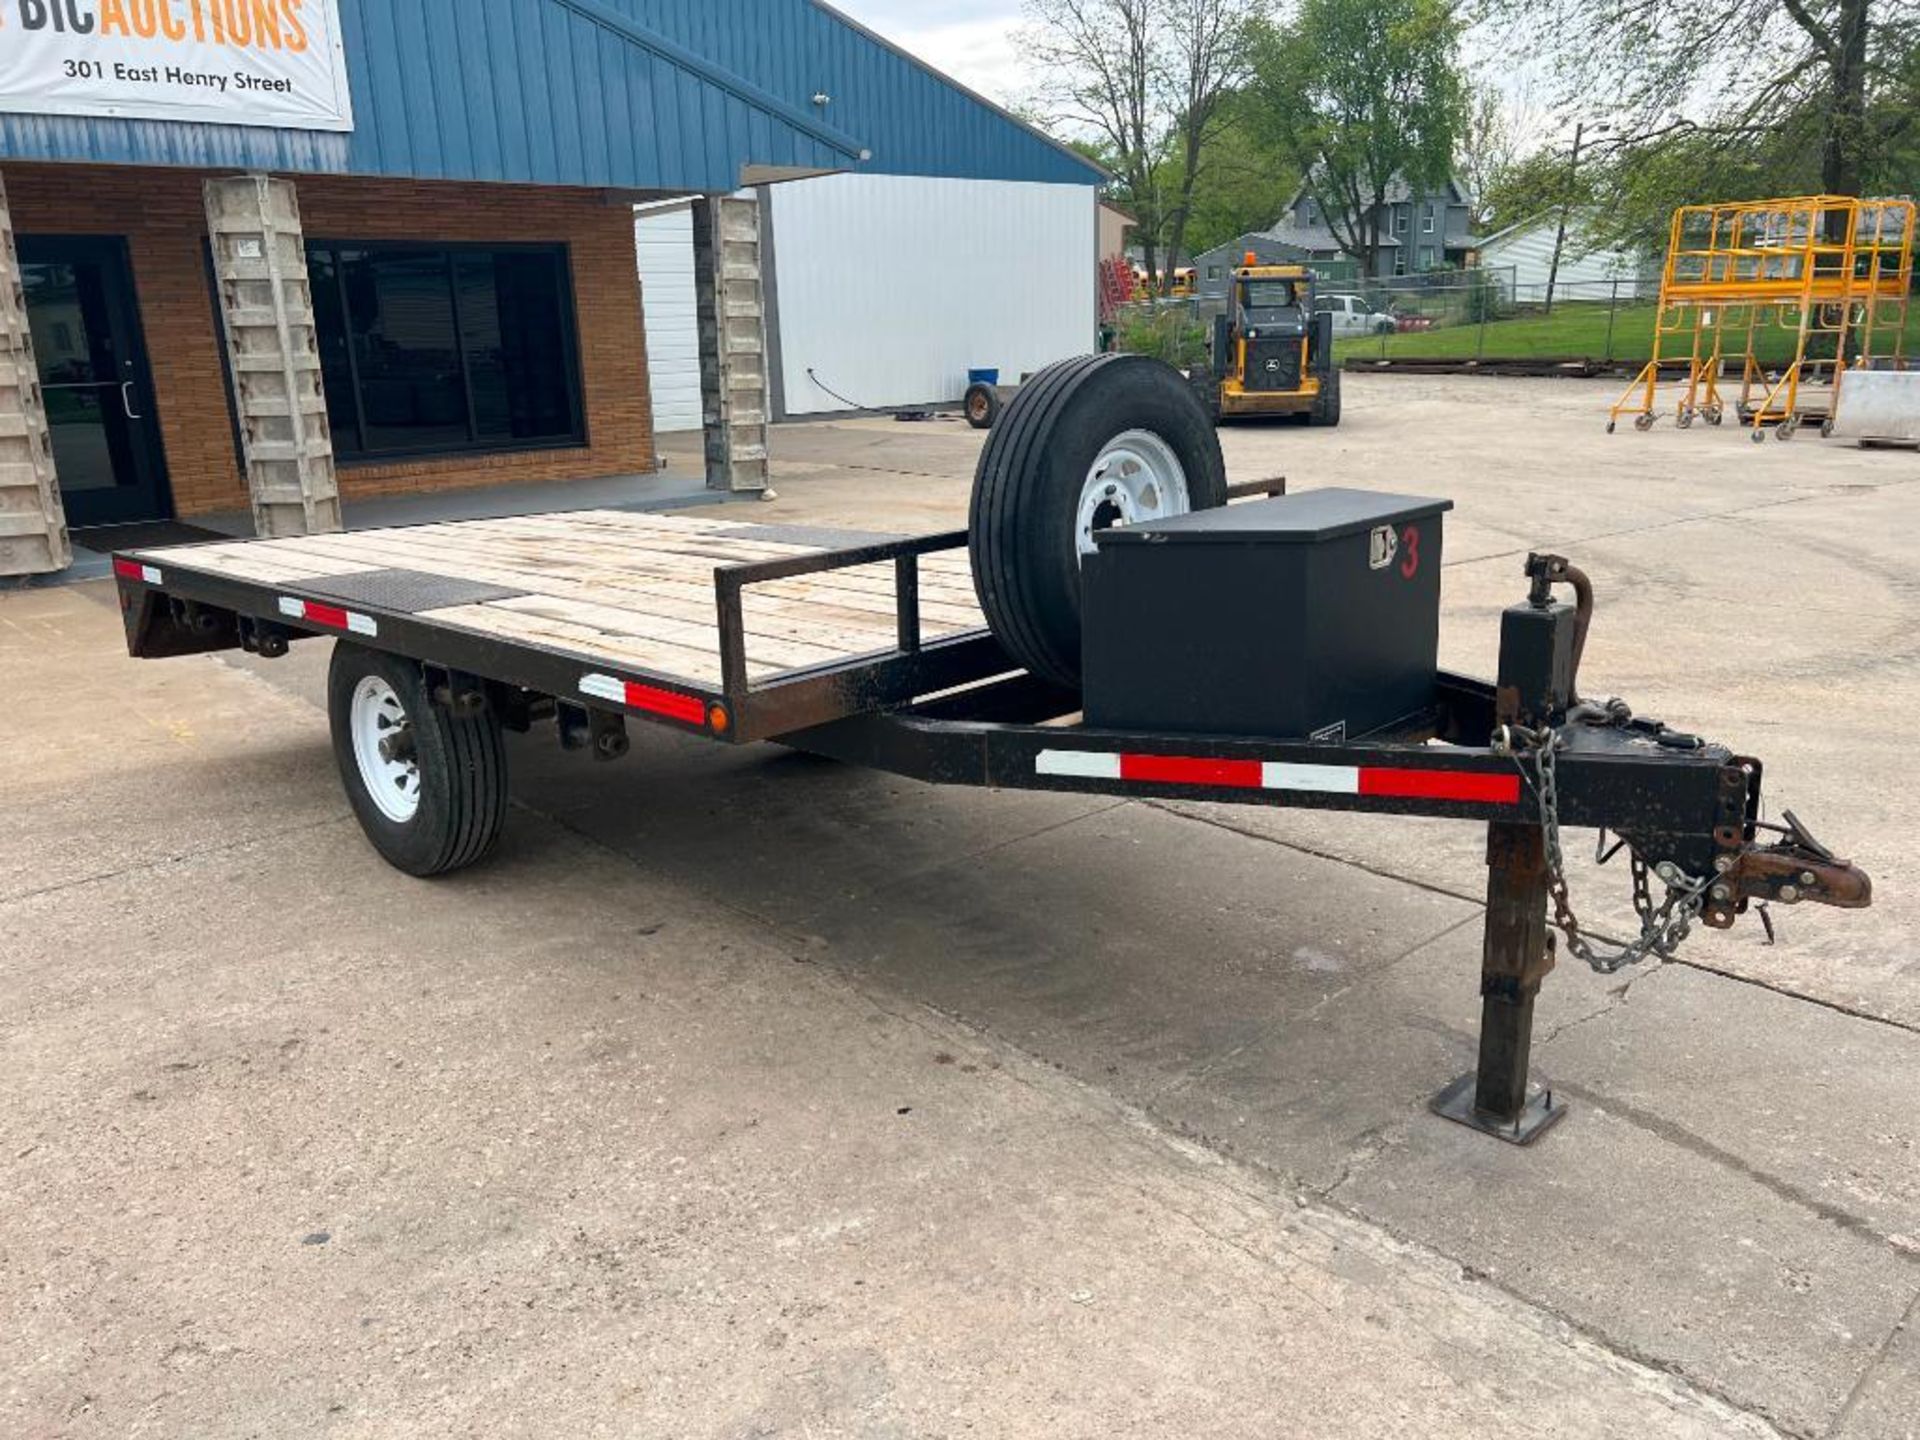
(651,698)
(1387,781)
(331,616)
(134,570)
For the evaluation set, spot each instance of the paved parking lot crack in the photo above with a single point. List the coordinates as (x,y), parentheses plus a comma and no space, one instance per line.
(179,857)
(1618,1348)
(1834,1005)
(1657,525)
(1267,1188)
(1369,1145)
(1677,1134)
(1178,808)
(1616,997)
(1874,1366)
(1374,1142)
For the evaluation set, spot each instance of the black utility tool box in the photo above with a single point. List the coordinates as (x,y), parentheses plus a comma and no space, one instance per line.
(1308,615)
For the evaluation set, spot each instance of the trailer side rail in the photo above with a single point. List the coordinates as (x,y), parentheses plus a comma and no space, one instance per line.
(172,608)
(798,699)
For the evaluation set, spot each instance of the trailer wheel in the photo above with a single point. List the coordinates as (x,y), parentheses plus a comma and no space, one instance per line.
(982,405)
(1206,389)
(1326,405)
(428,786)
(1086,443)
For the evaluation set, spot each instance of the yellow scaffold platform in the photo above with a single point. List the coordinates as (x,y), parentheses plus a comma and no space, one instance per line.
(1789,294)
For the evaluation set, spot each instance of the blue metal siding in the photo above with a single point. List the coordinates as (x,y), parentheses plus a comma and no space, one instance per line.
(913,119)
(634,94)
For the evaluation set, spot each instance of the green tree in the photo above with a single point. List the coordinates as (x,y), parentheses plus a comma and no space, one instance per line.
(1208,44)
(1486,150)
(1148,82)
(1633,189)
(1749,74)
(1105,80)
(1359,93)
(1244,181)
(1536,184)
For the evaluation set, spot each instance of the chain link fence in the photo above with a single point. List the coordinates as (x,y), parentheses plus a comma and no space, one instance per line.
(1483,315)
(1488,316)
(1491,315)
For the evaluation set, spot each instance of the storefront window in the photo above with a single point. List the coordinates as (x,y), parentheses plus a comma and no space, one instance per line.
(427,350)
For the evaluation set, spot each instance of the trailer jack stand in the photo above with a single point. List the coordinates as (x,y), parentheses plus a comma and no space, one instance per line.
(1537,1113)
(1516,954)
(1540,644)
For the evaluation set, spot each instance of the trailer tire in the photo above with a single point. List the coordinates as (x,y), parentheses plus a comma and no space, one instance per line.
(1037,497)
(1206,389)
(1326,405)
(444,810)
(981,405)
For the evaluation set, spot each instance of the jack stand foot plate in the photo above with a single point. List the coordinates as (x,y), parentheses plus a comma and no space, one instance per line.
(1536,1117)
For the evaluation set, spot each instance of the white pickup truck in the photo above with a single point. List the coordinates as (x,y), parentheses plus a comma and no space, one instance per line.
(1353,315)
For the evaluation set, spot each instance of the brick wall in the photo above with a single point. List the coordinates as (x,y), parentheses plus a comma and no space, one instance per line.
(161,214)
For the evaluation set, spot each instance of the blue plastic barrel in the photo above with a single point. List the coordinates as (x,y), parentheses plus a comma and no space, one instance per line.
(984,377)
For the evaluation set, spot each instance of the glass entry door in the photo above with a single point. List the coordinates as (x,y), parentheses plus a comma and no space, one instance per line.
(94,378)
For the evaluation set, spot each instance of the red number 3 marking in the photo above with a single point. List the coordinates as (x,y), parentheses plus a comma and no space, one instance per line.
(1410,562)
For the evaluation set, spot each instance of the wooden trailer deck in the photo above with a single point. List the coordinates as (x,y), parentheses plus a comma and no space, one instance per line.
(625,589)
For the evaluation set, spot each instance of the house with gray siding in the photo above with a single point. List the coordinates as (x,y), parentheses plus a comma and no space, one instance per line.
(1213,269)
(1421,229)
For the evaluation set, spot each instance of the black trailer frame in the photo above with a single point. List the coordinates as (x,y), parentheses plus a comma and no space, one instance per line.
(958,711)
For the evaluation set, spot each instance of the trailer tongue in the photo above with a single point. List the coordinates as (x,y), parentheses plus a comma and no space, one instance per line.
(872,650)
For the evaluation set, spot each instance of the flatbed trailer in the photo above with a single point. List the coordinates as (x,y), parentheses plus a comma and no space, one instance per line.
(870,650)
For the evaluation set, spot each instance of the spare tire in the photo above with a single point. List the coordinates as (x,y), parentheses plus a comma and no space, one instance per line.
(1085,443)
(981,405)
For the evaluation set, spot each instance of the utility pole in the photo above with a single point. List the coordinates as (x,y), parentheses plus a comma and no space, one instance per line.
(1566,205)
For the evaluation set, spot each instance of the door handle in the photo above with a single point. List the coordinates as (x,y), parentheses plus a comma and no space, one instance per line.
(126,403)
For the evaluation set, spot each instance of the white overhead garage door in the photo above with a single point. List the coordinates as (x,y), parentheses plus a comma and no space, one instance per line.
(664,240)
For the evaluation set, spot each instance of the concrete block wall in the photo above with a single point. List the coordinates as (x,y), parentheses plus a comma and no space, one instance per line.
(33,525)
(273,355)
(731,313)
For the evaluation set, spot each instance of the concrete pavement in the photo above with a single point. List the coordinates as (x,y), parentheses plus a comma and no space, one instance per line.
(751,1094)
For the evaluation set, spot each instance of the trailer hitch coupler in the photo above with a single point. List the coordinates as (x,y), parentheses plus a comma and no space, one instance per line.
(1543,573)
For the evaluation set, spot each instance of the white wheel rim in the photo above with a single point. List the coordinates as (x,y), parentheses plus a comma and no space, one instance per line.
(1135,477)
(392,779)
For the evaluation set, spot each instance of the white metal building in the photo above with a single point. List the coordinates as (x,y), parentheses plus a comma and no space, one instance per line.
(1521,257)
(887,289)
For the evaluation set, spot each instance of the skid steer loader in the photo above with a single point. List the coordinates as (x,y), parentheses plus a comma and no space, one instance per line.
(1271,353)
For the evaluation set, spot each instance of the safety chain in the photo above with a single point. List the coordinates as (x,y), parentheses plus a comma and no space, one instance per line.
(1662,929)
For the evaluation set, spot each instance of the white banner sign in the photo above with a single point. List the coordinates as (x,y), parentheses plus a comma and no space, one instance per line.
(228,62)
